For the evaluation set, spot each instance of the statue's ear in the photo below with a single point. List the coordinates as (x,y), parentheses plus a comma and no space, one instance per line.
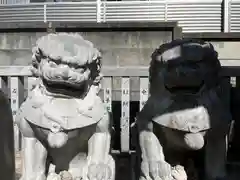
(40,52)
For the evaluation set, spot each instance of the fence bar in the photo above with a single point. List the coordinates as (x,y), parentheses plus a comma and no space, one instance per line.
(99,14)
(125,118)
(226,12)
(107,90)
(44,13)
(143,92)
(17,90)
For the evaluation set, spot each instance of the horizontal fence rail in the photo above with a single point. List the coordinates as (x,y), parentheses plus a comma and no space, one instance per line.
(82,11)
(133,11)
(191,15)
(196,16)
(124,84)
(234,16)
(22,13)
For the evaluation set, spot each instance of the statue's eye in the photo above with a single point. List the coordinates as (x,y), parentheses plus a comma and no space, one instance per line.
(73,65)
(56,61)
(77,66)
(52,64)
(81,69)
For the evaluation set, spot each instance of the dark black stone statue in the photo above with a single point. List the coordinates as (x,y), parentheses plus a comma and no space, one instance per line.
(187,111)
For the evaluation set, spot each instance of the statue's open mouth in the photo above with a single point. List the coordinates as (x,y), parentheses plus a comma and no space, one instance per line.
(61,86)
(184,89)
(63,79)
(181,80)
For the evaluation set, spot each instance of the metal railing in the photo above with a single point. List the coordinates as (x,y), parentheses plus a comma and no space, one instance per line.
(234,11)
(191,15)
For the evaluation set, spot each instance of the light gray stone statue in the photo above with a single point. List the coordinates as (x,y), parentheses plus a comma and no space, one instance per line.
(187,111)
(65,125)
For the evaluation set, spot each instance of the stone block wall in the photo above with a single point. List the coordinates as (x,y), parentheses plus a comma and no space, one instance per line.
(118,48)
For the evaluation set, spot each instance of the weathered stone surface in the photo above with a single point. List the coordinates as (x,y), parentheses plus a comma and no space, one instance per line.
(63,120)
(18,40)
(112,44)
(227,50)
(117,48)
(186,112)
(5,57)
(15,57)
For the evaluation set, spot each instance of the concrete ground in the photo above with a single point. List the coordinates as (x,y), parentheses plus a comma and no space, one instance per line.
(233,170)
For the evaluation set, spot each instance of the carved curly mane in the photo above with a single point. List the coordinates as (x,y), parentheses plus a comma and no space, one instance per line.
(70,47)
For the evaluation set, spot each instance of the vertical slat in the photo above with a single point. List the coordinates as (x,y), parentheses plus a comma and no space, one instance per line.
(226,14)
(125,105)
(235,103)
(226,90)
(107,88)
(143,92)
(99,4)
(17,89)
(233,81)
(233,85)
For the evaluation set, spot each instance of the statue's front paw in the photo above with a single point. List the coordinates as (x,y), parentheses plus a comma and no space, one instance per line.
(99,171)
(54,176)
(178,173)
(159,170)
(65,175)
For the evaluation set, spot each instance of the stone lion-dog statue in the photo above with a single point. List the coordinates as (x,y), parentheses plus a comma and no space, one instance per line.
(187,112)
(65,125)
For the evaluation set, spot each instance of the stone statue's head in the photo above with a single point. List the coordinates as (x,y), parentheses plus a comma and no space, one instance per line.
(66,62)
(184,66)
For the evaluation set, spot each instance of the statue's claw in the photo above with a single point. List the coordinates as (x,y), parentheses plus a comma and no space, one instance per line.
(159,170)
(178,173)
(54,176)
(99,171)
(65,175)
